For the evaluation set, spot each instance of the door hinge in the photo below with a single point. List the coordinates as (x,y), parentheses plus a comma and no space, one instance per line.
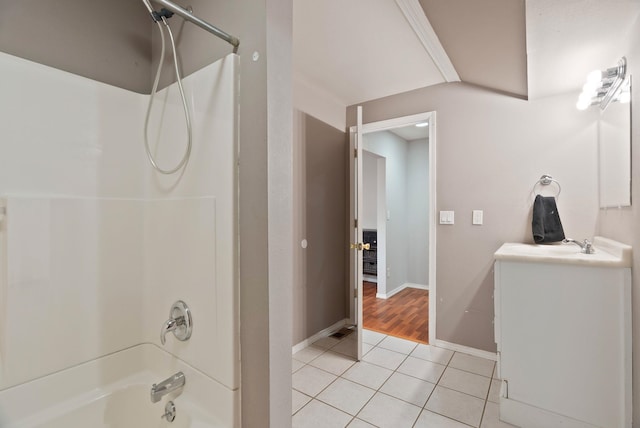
(355,153)
(355,223)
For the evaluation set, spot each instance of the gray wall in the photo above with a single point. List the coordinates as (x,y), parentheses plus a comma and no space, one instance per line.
(84,37)
(320,269)
(105,41)
(395,150)
(418,211)
(491,150)
(624,224)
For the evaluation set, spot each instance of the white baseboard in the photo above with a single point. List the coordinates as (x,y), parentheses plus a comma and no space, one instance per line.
(418,286)
(465,349)
(319,335)
(399,289)
(370,278)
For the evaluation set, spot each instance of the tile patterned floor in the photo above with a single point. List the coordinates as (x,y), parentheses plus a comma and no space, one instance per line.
(398,384)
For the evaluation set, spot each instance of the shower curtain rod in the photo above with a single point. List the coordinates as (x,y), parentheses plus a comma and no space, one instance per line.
(234,41)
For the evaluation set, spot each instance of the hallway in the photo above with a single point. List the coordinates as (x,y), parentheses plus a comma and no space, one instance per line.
(404,315)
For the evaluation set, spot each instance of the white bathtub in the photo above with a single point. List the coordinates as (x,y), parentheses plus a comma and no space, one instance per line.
(113,391)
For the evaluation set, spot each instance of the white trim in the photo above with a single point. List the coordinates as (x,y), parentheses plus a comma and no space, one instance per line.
(418,286)
(409,120)
(432,225)
(399,289)
(465,349)
(418,21)
(370,278)
(395,122)
(319,335)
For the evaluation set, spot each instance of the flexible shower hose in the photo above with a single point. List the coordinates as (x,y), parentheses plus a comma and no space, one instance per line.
(187,117)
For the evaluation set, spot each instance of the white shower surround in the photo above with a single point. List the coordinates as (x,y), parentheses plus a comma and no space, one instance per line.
(96,246)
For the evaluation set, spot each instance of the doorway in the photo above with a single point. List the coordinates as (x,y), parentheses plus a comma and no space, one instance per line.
(398,206)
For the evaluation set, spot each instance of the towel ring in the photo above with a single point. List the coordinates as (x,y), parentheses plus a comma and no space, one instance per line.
(546,180)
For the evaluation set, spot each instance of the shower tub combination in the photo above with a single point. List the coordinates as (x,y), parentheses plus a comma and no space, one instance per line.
(114,391)
(95,232)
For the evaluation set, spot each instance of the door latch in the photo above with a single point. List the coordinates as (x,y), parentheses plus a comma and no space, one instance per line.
(360,246)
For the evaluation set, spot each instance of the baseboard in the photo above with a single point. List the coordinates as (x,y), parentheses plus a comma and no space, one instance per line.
(319,335)
(465,349)
(399,289)
(370,278)
(418,286)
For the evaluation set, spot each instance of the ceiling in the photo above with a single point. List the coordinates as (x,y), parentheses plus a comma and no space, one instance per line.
(411,132)
(359,50)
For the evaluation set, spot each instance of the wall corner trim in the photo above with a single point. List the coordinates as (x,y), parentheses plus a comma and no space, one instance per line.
(420,24)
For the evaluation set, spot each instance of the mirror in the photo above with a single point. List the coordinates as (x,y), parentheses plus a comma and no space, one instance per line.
(614,153)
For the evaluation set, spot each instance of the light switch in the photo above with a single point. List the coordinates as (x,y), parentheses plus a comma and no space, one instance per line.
(447,217)
(477,217)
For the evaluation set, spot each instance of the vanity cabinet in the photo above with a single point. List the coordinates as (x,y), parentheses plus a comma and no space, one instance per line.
(563,334)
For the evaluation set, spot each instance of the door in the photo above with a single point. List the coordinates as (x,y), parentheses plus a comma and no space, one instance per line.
(355,228)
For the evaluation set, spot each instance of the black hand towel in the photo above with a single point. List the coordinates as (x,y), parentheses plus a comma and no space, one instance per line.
(546,225)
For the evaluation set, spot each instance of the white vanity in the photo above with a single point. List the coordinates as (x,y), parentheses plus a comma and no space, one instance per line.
(563,330)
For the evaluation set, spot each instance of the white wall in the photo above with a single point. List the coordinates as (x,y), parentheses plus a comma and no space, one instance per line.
(394,149)
(369,190)
(418,211)
(95,247)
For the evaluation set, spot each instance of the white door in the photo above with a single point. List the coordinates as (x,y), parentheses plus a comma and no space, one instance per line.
(355,229)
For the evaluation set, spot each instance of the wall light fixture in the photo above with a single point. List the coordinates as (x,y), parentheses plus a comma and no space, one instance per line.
(605,86)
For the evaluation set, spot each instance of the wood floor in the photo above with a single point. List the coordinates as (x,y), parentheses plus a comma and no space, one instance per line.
(404,315)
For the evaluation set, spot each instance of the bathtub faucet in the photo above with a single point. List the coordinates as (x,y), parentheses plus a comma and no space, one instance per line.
(179,322)
(166,386)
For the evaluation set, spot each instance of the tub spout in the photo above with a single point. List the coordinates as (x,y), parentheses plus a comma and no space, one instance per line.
(166,386)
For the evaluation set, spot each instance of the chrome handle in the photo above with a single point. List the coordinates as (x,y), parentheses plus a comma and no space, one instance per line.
(179,322)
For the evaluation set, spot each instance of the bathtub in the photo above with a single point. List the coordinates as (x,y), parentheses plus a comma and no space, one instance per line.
(113,391)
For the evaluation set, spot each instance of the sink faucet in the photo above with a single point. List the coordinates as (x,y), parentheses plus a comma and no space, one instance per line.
(166,386)
(586,246)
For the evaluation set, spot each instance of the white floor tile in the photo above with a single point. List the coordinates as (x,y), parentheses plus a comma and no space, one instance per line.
(407,388)
(372,337)
(472,364)
(494,391)
(387,412)
(359,423)
(456,405)
(308,354)
(367,374)
(333,362)
(319,415)
(347,396)
(432,353)
(422,369)
(311,380)
(347,347)
(469,383)
(298,400)
(384,358)
(296,365)
(429,419)
(491,418)
(398,345)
